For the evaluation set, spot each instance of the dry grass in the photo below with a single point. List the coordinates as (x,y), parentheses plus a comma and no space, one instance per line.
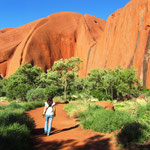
(4,103)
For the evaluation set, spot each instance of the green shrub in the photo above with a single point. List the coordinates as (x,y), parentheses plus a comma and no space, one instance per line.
(15,137)
(69,108)
(36,94)
(17,87)
(8,117)
(13,105)
(143,114)
(16,126)
(24,79)
(100,95)
(132,133)
(139,131)
(2,87)
(146,91)
(52,89)
(101,120)
(2,107)
(32,105)
(75,107)
(114,84)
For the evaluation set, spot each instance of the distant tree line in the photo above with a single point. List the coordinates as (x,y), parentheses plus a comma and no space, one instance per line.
(30,83)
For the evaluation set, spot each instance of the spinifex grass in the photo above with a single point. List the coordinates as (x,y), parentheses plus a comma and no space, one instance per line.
(16,126)
(101,120)
(15,136)
(75,107)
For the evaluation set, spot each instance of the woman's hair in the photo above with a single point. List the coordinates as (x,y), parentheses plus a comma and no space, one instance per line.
(50,100)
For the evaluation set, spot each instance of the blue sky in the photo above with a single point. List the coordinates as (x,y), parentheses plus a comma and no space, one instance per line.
(14,13)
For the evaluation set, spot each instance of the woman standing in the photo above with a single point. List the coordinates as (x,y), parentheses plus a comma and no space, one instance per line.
(49,112)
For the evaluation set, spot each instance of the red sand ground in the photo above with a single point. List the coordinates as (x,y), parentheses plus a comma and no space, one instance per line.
(66,134)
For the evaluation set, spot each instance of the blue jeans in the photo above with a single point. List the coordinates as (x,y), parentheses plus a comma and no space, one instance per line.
(48,124)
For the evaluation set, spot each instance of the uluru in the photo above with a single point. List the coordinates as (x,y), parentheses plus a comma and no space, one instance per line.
(124,39)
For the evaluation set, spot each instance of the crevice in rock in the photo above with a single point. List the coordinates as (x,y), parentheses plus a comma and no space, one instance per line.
(89,52)
(75,38)
(95,21)
(3,61)
(106,61)
(89,29)
(146,60)
(137,42)
(142,19)
(32,62)
(108,33)
(90,49)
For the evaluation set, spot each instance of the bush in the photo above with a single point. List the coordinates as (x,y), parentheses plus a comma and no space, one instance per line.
(36,94)
(132,133)
(2,107)
(13,105)
(15,137)
(32,105)
(52,90)
(17,87)
(2,87)
(16,126)
(24,79)
(145,91)
(139,131)
(143,114)
(101,120)
(100,95)
(114,84)
(9,116)
(75,107)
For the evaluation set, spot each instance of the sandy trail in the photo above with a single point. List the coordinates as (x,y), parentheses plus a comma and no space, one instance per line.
(66,134)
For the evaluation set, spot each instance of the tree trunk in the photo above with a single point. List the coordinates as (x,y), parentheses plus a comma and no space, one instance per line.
(65,90)
(112,93)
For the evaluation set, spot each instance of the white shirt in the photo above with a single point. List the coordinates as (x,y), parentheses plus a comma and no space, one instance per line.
(50,109)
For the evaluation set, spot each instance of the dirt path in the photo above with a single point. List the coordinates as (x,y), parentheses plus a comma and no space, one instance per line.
(66,134)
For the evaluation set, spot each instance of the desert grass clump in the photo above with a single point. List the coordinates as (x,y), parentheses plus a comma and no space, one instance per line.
(15,136)
(15,116)
(137,132)
(75,107)
(16,126)
(32,105)
(105,121)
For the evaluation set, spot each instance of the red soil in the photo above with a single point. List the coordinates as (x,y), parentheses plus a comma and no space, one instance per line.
(66,134)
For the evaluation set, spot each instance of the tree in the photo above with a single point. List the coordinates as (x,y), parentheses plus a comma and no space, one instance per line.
(114,84)
(24,79)
(127,82)
(32,73)
(50,82)
(36,94)
(17,87)
(68,72)
(96,84)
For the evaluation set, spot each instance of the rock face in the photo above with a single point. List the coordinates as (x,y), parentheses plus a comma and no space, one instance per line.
(123,40)
(61,35)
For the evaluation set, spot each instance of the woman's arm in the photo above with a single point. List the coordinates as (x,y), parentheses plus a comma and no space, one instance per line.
(44,111)
(54,110)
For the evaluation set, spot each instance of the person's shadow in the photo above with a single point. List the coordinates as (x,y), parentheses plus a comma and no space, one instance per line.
(40,131)
(65,129)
